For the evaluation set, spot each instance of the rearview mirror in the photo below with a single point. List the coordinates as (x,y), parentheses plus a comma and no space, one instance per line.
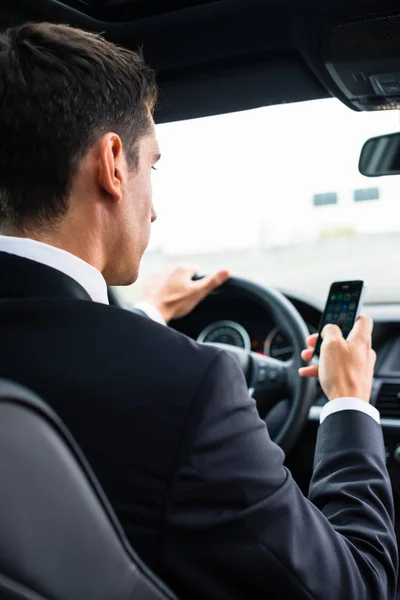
(381,156)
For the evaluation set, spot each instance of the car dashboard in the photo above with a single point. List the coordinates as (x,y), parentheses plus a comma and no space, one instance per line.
(237,321)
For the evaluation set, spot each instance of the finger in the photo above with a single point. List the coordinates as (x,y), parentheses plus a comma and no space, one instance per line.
(362,329)
(307,354)
(211,282)
(312,340)
(373,358)
(331,332)
(311,371)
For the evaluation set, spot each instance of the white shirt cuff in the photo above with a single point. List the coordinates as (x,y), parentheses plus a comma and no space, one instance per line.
(151,311)
(349,404)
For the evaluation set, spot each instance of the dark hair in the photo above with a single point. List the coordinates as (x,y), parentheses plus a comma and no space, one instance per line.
(61,89)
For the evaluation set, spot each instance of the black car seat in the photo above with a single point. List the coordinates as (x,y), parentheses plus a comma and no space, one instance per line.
(59,538)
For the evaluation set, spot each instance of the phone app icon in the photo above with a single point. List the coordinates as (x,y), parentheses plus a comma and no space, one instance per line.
(345,308)
(337,307)
(352,306)
(333,297)
(340,296)
(329,317)
(355,295)
(347,297)
(350,317)
(342,317)
(330,308)
(346,328)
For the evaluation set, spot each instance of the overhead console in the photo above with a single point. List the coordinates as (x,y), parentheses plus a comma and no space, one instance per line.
(363,58)
(124,10)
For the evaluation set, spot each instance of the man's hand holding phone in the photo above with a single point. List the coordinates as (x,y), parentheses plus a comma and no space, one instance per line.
(346,366)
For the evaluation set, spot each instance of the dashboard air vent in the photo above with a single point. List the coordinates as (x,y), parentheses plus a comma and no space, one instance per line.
(388,401)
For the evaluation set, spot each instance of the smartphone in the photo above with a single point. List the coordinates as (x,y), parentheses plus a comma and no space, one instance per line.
(342,308)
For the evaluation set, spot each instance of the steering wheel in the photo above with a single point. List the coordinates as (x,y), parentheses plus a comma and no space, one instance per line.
(270,380)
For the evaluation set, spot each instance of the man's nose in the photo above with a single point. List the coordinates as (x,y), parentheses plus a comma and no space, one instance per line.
(153,214)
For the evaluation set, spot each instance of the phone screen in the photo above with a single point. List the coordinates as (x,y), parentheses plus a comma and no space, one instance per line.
(342,308)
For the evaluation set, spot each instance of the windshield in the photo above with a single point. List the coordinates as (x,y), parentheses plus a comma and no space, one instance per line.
(274,195)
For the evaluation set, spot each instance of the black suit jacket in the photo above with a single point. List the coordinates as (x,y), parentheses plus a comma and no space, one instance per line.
(177,444)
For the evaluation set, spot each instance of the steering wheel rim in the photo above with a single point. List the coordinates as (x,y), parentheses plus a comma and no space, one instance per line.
(289,320)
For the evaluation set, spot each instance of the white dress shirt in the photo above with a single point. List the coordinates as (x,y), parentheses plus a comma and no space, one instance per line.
(93,282)
(151,311)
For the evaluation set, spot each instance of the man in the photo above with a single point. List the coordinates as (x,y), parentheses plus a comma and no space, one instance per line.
(167,424)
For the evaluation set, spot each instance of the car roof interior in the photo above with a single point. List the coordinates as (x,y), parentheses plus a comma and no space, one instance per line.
(218,56)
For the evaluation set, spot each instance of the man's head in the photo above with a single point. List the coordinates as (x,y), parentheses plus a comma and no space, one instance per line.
(77,145)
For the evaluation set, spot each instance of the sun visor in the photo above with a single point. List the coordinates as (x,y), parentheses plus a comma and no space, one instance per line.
(363,58)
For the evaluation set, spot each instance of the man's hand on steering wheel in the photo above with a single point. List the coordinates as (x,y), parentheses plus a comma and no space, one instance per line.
(174,292)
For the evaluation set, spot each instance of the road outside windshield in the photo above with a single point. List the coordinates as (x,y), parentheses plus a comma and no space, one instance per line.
(274,194)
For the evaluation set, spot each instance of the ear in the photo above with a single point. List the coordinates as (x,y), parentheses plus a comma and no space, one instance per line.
(110,173)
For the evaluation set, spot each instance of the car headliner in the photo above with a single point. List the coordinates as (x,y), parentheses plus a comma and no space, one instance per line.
(214,56)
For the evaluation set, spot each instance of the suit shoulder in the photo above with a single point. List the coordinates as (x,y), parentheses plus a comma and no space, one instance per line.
(132,346)
(152,339)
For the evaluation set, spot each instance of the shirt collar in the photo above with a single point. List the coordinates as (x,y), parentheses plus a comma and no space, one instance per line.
(86,275)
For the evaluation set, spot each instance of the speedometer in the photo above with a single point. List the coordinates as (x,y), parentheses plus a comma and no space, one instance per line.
(226,332)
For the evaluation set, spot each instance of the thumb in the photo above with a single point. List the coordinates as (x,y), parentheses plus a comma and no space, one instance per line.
(362,329)
(210,282)
(331,332)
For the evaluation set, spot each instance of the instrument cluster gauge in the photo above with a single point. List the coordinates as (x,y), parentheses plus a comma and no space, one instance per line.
(226,332)
(277,345)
